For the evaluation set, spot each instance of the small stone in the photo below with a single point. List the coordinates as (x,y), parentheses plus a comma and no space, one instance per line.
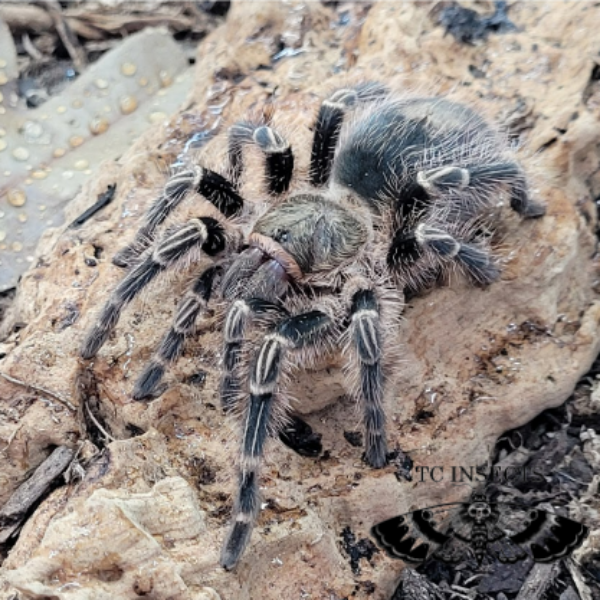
(98,125)
(127,104)
(16,197)
(20,153)
(128,69)
(75,141)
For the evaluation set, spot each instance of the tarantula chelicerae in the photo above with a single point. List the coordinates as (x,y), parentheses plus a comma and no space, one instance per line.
(398,187)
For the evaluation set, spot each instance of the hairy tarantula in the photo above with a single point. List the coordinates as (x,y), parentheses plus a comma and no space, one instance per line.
(398,188)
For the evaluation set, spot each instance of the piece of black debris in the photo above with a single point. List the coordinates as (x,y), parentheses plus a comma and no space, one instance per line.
(103,200)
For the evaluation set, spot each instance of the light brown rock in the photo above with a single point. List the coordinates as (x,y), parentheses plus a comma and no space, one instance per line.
(482,361)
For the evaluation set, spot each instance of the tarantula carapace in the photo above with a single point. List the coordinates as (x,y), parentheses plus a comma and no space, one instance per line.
(397,194)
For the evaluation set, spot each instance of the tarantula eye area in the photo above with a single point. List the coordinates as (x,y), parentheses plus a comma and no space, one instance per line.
(317,233)
(281,235)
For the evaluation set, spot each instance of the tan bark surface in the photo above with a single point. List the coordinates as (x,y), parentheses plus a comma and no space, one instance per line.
(150,514)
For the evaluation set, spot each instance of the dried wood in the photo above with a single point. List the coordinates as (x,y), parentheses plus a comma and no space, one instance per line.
(31,491)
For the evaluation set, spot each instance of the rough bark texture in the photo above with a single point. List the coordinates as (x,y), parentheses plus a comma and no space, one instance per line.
(150,514)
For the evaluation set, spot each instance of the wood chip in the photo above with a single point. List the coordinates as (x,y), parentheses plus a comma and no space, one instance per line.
(31,491)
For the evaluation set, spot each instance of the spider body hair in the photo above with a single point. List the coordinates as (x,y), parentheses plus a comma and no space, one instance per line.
(401,193)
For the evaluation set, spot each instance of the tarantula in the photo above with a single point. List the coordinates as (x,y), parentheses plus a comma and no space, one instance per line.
(398,187)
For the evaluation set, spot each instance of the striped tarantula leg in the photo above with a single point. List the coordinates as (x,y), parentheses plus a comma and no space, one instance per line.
(475,260)
(510,173)
(329,123)
(171,346)
(215,188)
(450,177)
(365,330)
(178,242)
(279,158)
(236,322)
(291,333)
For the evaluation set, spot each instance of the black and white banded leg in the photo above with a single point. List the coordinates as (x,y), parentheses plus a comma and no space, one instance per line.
(450,177)
(408,245)
(279,158)
(366,335)
(292,333)
(171,346)
(238,318)
(329,124)
(203,233)
(212,186)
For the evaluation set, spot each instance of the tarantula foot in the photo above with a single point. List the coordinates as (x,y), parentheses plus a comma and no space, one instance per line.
(527,208)
(235,545)
(376,453)
(533,210)
(125,257)
(146,387)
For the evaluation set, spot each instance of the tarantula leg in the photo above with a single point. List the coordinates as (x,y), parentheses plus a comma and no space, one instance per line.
(329,123)
(327,131)
(215,188)
(445,178)
(365,330)
(171,346)
(509,172)
(204,232)
(237,320)
(279,158)
(477,262)
(291,333)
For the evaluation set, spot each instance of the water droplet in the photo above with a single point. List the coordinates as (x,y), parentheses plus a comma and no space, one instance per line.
(61,109)
(2,110)
(58,152)
(77,104)
(28,181)
(143,81)
(98,125)
(17,246)
(75,140)
(32,130)
(165,78)
(2,131)
(101,84)
(16,197)
(21,153)
(2,235)
(128,69)
(42,207)
(39,174)
(2,214)
(157,117)
(82,164)
(3,78)
(22,217)
(1,97)
(127,104)
(67,174)
(3,145)
(2,63)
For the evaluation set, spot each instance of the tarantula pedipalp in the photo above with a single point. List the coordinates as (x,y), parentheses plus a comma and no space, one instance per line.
(398,187)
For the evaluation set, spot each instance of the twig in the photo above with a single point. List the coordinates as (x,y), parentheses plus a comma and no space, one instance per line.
(76,52)
(97,424)
(41,390)
(31,491)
